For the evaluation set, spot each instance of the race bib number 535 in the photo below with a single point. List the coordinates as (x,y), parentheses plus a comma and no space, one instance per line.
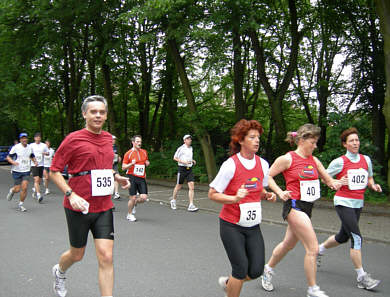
(102,181)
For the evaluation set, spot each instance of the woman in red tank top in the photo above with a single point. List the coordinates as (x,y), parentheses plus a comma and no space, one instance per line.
(239,186)
(301,171)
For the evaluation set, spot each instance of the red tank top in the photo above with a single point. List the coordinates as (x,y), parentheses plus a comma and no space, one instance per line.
(301,169)
(344,191)
(252,180)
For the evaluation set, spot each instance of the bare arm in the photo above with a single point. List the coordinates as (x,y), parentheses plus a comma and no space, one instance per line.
(332,183)
(75,200)
(373,186)
(281,164)
(227,199)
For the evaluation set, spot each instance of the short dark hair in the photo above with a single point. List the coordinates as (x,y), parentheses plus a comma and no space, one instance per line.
(344,135)
(134,137)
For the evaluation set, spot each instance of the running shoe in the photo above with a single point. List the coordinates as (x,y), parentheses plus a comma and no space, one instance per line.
(192,208)
(367,282)
(131,218)
(133,212)
(266,280)
(316,292)
(47,192)
(222,281)
(22,208)
(59,282)
(173,204)
(116,196)
(319,260)
(39,197)
(33,193)
(10,195)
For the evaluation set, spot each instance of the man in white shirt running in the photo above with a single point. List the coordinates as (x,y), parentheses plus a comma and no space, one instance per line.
(40,150)
(46,165)
(184,158)
(19,157)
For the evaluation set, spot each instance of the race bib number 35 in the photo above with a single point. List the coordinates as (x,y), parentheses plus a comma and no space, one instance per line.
(310,190)
(357,179)
(102,181)
(250,214)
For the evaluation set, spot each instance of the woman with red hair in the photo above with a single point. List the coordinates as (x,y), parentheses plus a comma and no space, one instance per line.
(240,186)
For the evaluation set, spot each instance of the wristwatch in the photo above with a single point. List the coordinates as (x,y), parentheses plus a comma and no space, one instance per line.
(68,193)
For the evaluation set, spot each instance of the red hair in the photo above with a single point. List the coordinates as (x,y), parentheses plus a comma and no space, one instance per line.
(240,130)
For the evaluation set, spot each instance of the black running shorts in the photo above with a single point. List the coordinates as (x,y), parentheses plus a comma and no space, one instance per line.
(304,206)
(137,185)
(37,171)
(183,174)
(101,225)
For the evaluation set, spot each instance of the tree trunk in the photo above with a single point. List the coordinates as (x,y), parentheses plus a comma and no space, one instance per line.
(238,67)
(108,95)
(202,135)
(383,10)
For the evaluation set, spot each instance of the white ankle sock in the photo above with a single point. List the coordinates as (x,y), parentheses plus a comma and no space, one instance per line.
(360,272)
(322,249)
(268,268)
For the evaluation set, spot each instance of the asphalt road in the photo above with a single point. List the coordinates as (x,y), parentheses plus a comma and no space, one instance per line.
(164,254)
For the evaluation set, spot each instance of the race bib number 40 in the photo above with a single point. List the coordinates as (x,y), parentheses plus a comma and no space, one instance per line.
(250,214)
(102,181)
(357,179)
(310,190)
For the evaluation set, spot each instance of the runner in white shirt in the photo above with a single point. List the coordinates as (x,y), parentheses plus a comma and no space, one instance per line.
(46,165)
(40,150)
(19,157)
(184,158)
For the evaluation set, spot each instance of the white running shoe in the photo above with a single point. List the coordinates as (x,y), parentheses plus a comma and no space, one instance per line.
(10,195)
(266,280)
(316,292)
(192,208)
(22,208)
(116,196)
(59,282)
(222,281)
(39,197)
(367,282)
(133,212)
(47,192)
(131,218)
(33,193)
(173,204)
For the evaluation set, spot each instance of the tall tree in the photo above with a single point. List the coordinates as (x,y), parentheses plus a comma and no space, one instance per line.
(383,10)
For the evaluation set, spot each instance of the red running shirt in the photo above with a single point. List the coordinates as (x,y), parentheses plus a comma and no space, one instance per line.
(83,151)
(140,156)
(252,180)
(344,191)
(300,169)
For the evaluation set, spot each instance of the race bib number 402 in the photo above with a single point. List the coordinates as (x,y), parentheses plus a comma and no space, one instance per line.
(102,181)
(357,179)
(310,190)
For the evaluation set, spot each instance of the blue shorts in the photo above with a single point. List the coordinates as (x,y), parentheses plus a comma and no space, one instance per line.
(19,177)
